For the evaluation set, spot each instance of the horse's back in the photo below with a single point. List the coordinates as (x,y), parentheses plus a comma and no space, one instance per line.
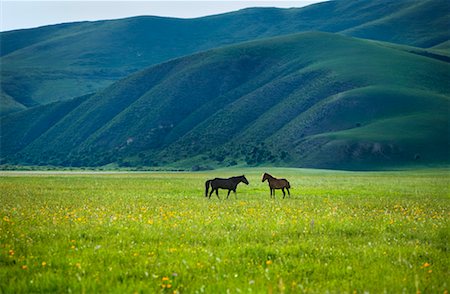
(279,184)
(219,180)
(220,183)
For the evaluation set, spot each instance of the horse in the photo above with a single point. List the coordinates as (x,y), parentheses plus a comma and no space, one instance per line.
(275,183)
(230,184)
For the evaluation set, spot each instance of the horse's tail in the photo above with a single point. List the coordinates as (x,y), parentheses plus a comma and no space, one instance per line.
(288,185)
(207,187)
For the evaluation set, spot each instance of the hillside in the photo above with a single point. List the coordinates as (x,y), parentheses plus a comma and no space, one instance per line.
(303,100)
(59,62)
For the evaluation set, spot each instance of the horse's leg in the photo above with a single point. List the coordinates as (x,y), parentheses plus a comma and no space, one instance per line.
(289,193)
(284,194)
(228,195)
(217,193)
(210,193)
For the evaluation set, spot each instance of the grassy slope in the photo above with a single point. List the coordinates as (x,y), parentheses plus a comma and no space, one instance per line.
(20,132)
(443,48)
(410,25)
(282,92)
(339,232)
(403,126)
(60,62)
(322,105)
(9,104)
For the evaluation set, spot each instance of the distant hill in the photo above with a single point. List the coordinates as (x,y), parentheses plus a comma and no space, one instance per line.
(60,62)
(305,100)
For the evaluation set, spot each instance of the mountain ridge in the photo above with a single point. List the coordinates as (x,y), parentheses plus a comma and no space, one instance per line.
(63,61)
(309,99)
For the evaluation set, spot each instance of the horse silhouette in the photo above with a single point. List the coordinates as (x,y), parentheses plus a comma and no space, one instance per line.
(229,184)
(275,183)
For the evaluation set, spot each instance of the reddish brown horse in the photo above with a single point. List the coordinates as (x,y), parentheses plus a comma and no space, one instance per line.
(229,184)
(275,183)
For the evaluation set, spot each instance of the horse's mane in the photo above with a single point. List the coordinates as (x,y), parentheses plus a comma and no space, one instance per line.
(268,175)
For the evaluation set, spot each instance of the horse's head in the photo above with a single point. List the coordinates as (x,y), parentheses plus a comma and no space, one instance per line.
(244,179)
(264,177)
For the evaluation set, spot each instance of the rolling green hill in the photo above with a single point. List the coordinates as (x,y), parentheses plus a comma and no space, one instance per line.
(303,100)
(59,62)
(9,104)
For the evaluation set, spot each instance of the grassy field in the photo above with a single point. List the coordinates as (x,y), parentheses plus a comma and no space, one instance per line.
(340,232)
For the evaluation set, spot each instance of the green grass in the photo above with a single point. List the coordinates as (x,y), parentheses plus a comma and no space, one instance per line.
(141,232)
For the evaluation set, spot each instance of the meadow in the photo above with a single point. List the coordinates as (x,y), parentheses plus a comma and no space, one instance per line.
(339,232)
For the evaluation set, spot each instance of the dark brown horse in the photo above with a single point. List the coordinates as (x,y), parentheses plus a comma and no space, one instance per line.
(275,183)
(230,184)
